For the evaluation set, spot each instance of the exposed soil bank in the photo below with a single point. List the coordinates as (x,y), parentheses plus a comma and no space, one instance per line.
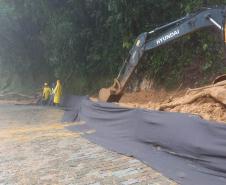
(205,106)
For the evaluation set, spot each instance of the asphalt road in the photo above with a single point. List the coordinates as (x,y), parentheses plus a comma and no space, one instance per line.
(35,148)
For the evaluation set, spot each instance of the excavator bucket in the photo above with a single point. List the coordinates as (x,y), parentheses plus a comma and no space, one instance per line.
(111,94)
(106,95)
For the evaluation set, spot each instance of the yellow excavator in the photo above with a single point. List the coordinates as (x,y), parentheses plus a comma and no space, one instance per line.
(206,17)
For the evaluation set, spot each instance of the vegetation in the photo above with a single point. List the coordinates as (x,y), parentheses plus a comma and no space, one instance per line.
(84,42)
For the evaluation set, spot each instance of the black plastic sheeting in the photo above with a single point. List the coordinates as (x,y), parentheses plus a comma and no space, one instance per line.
(183,147)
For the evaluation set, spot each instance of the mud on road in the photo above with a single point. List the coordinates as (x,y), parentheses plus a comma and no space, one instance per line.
(36,149)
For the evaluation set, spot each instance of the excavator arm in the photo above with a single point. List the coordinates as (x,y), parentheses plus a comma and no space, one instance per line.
(208,17)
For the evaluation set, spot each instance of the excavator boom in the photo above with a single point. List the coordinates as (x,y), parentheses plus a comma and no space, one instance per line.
(208,17)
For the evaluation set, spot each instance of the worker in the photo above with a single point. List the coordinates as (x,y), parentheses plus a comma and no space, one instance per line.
(53,85)
(46,94)
(52,94)
(57,93)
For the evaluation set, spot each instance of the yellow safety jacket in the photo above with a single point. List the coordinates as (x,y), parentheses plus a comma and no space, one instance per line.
(46,93)
(57,93)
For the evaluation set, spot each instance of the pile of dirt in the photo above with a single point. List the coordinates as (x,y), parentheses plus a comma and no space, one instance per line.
(149,99)
(207,108)
(142,97)
(208,102)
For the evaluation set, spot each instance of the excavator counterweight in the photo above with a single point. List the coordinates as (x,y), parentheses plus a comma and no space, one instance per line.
(207,17)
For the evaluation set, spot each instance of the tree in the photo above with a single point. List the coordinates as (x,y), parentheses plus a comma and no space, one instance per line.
(84,42)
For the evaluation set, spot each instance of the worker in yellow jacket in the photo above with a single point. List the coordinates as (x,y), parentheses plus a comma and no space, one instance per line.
(57,93)
(46,94)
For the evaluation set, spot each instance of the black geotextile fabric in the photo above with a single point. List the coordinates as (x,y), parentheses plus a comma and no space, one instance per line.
(71,105)
(183,147)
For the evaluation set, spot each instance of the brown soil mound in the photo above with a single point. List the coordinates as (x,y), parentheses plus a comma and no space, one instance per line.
(143,97)
(209,103)
(207,108)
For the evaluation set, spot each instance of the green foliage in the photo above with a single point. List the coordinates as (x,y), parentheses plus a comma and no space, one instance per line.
(84,42)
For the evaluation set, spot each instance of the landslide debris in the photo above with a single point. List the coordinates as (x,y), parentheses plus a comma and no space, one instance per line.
(208,102)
